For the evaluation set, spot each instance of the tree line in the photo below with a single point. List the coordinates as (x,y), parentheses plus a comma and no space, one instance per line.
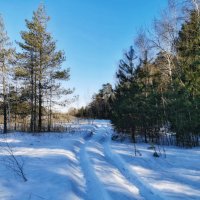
(31,79)
(157,87)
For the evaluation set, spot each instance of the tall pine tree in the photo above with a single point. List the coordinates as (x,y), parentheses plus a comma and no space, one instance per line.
(40,64)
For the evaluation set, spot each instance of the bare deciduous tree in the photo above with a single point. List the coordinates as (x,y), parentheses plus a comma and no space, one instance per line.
(165,32)
(12,162)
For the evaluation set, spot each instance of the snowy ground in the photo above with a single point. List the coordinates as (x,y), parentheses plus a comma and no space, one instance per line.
(63,166)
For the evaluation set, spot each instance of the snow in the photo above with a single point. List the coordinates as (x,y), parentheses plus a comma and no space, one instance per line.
(86,164)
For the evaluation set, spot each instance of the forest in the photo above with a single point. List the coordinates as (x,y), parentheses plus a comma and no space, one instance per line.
(136,138)
(157,88)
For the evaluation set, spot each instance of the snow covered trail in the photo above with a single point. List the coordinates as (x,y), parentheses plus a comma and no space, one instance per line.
(88,165)
(111,181)
(94,188)
(175,177)
(146,191)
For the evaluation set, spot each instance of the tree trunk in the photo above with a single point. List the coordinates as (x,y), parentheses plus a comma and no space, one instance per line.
(40,95)
(5,115)
(4,101)
(15,121)
(50,114)
(40,108)
(35,105)
(133,134)
(32,98)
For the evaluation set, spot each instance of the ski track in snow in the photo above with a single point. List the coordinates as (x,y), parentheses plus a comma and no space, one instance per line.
(146,191)
(94,188)
(85,166)
(110,177)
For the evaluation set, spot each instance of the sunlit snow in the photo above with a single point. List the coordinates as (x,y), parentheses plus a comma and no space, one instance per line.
(81,165)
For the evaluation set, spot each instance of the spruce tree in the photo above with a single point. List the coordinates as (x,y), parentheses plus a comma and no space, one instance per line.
(187,83)
(122,117)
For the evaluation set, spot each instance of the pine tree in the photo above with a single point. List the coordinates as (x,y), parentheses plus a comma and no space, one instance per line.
(40,64)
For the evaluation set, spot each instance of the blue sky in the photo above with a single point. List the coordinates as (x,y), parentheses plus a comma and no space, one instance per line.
(93,34)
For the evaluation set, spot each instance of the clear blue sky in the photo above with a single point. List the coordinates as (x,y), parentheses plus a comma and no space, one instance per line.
(93,33)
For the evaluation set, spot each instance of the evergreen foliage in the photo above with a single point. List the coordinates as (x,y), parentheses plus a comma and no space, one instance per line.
(186,96)
(35,87)
(151,94)
(163,93)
